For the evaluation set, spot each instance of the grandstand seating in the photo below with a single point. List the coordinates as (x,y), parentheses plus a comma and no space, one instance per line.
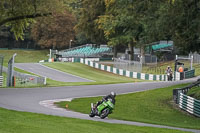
(84,51)
(162,45)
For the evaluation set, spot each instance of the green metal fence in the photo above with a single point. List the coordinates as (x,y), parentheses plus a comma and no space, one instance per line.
(189,74)
(189,104)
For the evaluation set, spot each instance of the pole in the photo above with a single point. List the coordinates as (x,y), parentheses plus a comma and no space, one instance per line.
(10,71)
(50,54)
(191,62)
(175,67)
(13,62)
(70,43)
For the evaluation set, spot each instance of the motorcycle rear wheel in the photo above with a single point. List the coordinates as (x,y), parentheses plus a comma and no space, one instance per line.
(104,113)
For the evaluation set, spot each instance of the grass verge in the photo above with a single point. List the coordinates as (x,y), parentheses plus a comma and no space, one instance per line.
(24,56)
(98,76)
(153,106)
(194,92)
(23,122)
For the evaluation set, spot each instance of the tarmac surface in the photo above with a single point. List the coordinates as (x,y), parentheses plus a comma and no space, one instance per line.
(39,100)
(51,73)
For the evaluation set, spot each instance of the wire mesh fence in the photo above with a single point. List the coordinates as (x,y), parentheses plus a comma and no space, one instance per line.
(185,61)
(23,80)
(154,69)
(196,57)
(134,66)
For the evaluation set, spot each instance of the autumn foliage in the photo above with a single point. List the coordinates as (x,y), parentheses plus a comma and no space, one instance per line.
(55,31)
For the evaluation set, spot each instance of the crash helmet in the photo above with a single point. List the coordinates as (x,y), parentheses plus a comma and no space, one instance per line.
(113,94)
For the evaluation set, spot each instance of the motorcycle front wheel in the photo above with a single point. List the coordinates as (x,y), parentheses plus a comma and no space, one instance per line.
(104,113)
(91,113)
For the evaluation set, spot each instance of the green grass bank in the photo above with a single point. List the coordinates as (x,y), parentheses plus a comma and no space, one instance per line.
(23,122)
(194,92)
(154,106)
(96,75)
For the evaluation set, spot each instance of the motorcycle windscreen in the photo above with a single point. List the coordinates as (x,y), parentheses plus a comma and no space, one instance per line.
(110,104)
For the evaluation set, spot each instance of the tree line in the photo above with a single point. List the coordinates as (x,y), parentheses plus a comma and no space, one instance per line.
(129,23)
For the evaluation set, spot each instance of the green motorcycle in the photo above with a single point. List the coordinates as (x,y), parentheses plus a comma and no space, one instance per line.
(103,110)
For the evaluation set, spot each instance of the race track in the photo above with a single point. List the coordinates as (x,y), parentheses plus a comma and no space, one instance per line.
(30,99)
(48,72)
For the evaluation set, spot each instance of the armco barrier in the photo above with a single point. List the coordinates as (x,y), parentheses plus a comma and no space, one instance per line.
(189,74)
(123,72)
(189,104)
(185,102)
(1,81)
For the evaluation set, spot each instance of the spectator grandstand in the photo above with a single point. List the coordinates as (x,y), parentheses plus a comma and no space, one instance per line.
(88,50)
(162,46)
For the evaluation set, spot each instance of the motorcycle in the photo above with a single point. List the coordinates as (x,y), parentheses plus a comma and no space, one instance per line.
(169,76)
(102,110)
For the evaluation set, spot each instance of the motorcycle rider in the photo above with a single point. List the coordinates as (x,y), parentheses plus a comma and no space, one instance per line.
(169,73)
(105,98)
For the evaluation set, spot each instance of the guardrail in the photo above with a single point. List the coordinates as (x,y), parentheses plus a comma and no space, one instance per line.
(189,74)
(187,103)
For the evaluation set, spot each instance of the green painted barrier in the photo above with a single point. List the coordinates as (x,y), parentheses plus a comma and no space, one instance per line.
(189,74)
(189,104)
(138,75)
(121,71)
(131,74)
(146,76)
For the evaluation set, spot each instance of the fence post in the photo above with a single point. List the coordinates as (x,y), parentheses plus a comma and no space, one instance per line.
(50,54)
(176,93)
(10,71)
(45,80)
(191,62)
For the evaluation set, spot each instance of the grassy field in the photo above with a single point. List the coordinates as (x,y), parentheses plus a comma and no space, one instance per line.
(24,56)
(23,122)
(154,106)
(98,76)
(194,92)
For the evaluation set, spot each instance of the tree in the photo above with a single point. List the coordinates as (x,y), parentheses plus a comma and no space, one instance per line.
(128,22)
(55,31)
(75,6)
(89,13)
(19,14)
(179,21)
